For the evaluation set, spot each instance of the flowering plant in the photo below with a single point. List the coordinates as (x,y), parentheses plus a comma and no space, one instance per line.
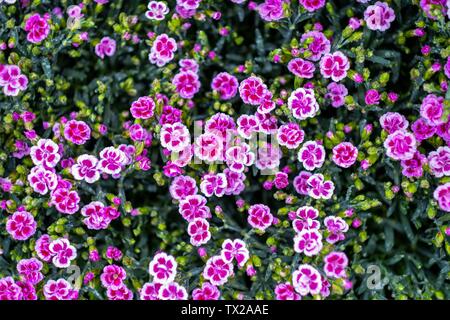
(224,149)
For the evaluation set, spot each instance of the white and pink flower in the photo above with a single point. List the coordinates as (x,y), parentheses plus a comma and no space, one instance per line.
(112,160)
(42,180)
(308,242)
(311,155)
(175,137)
(63,252)
(86,169)
(45,153)
(259,216)
(335,66)
(217,270)
(213,184)
(235,250)
(319,188)
(345,154)
(302,103)
(163,268)
(198,230)
(290,135)
(307,280)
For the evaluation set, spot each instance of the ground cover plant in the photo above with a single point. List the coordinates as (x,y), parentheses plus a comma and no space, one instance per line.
(224,149)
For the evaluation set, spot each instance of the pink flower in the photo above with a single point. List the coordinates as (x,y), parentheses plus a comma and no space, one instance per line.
(9,289)
(111,160)
(318,46)
(42,180)
(271,10)
(113,276)
(334,66)
(447,65)
(194,206)
(393,121)
(59,290)
(163,268)
(281,180)
(163,50)
(337,227)
(206,292)
(120,293)
(285,291)
(182,187)
(423,130)
(150,291)
(42,248)
(290,135)
(45,153)
(220,124)
(172,291)
(335,264)
(198,230)
(235,182)
(400,145)
(345,154)
(267,104)
(319,188)
(143,108)
(239,157)
(307,280)
(302,102)
(187,84)
(63,252)
(439,162)
(208,147)
(77,132)
(175,137)
(65,200)
(379,16)
(442,196)
(225,84)
(252,90)
(312,5)
(28,291)
(259,216)
(114,253)
(336,93)
(372,97)
(12,80)
(432,109)
(235,250)
(247,125)
(300,182)
(311,155)
(267,123)
(157,10)
(30,270)
(217,270)
(305,219)
(106,47)
(213,184)
(96,219)
(37,28)
(308,242)
(21,225)
(86,169)
(188,65)
(414,166)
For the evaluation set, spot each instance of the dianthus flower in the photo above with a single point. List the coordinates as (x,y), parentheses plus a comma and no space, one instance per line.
(334,66)
(302,103)
(307,280)
(106,47)
(163,268)
(400,145)
(335,264)
(217,270)
(379,16)
(21,225)
(311,155)
(225,84)
(37,28)
(259,216)
(77,132)
(12,80)
(345,154)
